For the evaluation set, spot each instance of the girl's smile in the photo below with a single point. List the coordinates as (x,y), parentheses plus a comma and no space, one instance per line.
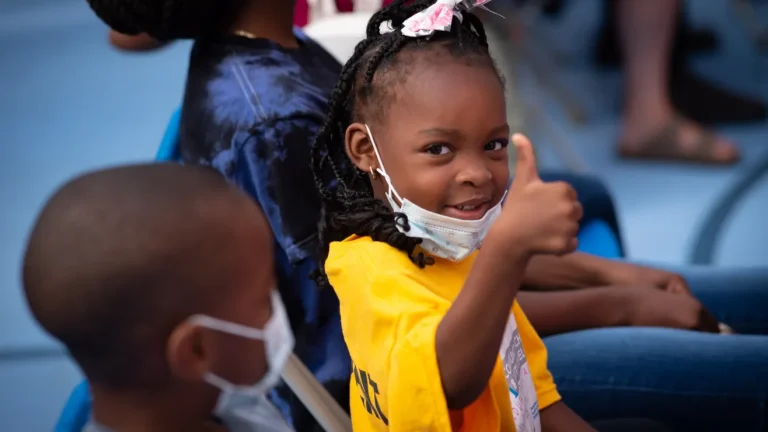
(472,209)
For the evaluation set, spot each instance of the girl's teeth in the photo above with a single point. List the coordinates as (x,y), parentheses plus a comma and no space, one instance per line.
(467,208)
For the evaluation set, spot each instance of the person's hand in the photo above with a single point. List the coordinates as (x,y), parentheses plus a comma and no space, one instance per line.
(539,217)
(648,306)
(630,274)
(137,43)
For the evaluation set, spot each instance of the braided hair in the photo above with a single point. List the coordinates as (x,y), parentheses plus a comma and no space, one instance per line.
(167,19)
(367,83)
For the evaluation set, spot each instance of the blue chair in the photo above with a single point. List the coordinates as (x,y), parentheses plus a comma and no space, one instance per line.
(169,146)
(597,238)
(77,410)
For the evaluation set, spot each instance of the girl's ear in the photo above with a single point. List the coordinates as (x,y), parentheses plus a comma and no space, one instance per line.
(360,149)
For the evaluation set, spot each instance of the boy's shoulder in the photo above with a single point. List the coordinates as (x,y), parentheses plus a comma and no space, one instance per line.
(255,81)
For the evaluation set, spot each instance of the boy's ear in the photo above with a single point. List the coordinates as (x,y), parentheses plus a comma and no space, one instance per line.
(188,352)
(360,149)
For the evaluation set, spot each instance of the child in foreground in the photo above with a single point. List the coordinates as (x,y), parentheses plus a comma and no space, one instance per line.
(415,145)
(159,280)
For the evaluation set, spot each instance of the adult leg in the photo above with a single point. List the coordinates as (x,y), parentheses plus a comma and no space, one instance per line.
(650,126)
(686,39)
(685,380)
(629,425)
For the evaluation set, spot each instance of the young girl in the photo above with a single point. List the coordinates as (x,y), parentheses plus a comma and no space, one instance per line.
(415,150)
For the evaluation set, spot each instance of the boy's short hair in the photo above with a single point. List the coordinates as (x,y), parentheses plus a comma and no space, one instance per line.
(168,19)
(119,257)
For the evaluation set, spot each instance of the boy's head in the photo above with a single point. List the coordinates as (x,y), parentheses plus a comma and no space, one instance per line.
(168,19)
(436,112)
(140,270)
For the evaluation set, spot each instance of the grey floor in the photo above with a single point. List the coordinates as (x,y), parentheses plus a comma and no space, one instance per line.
(69,103)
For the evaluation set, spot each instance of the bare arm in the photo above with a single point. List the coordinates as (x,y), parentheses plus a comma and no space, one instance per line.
(543,219)
(574,271)
(556,312)
(468,337)
(560,418)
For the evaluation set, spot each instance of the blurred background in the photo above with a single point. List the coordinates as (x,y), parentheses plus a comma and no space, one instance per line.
(70,102)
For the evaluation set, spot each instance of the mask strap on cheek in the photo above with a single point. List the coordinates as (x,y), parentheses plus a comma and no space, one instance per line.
(227,327)
(383,172)
(218,382)
(503,197)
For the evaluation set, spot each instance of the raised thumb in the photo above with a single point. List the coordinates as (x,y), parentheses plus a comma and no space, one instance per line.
(525,167)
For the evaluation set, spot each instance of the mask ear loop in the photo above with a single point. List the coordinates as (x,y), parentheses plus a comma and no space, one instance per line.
(227,327)
(209,322)
(391,191)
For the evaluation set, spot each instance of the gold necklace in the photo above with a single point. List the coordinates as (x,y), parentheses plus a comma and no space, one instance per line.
(245,34)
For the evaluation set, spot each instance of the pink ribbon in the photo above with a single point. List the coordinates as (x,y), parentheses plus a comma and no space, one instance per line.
(437,17)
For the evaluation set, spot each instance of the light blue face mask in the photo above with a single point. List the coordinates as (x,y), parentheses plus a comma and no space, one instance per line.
(442,236)
(257,415)
(245,408)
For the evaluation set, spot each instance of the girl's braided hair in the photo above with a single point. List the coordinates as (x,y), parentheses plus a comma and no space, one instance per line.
(168,19)
(367,83)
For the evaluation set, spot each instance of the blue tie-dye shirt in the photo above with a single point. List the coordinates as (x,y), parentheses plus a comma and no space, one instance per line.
(252,110)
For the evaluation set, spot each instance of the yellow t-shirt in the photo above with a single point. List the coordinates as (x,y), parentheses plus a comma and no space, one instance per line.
(390,310)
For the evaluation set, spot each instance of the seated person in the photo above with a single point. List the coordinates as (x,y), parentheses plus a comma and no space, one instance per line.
(159,280)
(255,98)
(608,361)
(418,121)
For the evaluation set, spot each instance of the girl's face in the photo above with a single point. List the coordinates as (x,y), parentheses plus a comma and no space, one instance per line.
(443,140)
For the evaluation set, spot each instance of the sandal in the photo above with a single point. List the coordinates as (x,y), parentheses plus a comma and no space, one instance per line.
(664,146)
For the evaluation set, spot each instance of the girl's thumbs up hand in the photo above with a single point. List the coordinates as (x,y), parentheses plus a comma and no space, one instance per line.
(539,217)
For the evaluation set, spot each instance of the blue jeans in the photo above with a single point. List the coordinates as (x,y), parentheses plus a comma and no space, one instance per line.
(686,380)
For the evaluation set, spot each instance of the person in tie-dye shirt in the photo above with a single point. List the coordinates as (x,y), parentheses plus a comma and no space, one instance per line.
(256,95)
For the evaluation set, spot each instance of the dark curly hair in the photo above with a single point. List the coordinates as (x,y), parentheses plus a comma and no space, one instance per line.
(168,19)
(365,87)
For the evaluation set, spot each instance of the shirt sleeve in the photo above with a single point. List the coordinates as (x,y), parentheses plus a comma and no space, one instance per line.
(271,162)
(418,401)
(391,336)
(536,353)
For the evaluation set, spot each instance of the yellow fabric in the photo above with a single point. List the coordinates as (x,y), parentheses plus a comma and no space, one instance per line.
(390,310)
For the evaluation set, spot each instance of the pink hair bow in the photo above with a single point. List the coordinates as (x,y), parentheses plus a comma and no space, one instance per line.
(437,17)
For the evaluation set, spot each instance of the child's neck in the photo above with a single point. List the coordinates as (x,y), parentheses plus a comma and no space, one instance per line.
(268,19)
(149,412)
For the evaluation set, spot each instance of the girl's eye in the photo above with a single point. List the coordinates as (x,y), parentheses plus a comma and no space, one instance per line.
(438,149)
(498,144)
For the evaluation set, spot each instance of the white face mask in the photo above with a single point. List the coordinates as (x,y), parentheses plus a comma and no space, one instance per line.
(259,416)
(245,408)
(442,236)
